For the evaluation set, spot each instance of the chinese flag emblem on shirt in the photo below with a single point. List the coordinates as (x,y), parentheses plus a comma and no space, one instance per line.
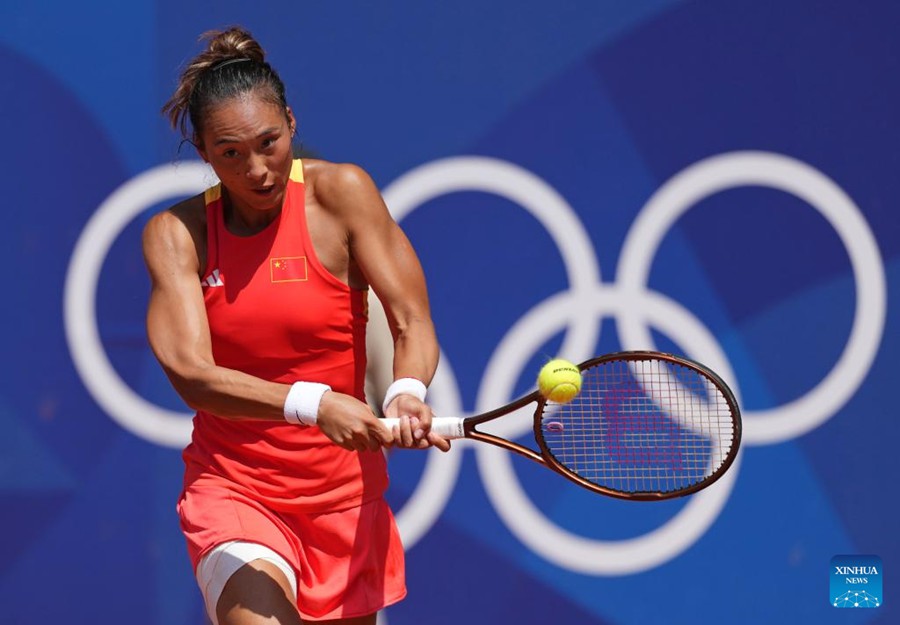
(288,269)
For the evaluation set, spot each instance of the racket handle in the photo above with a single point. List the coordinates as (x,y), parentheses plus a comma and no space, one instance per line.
(448,427)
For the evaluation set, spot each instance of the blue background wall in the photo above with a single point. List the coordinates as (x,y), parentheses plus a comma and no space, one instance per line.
(781,116)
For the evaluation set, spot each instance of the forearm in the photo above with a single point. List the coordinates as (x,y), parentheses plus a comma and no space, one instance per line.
(416,354)
(229,393)
(232,394)
(416,351)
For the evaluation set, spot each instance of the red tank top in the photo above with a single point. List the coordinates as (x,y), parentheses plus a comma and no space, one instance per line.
(276,313)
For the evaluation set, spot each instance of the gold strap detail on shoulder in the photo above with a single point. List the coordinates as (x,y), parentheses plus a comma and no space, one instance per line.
(297,170)
(212,194)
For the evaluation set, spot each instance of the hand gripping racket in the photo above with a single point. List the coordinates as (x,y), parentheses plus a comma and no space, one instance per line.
(645,426)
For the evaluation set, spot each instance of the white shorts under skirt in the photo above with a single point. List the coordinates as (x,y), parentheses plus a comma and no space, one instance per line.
(217,567)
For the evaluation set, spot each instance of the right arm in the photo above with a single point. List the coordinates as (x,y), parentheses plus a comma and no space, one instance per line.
(179,336)
(179,331)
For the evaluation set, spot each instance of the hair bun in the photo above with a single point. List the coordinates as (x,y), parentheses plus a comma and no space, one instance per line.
(231,43)
(199,86)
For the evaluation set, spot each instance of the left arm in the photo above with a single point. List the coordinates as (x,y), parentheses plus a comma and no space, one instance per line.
(386,258)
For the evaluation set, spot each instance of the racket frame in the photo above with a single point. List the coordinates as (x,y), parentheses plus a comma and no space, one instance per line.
(549,460)
(466,428)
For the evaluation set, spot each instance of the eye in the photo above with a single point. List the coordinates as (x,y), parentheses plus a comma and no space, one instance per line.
(269,142)
(230,153)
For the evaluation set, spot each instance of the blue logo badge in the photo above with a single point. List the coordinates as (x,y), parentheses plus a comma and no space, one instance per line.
(856,582)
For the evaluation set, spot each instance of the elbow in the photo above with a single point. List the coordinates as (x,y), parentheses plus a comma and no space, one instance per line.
(190,385)
(192,400)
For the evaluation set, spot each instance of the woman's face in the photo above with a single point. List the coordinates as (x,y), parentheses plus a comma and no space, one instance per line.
(247,141)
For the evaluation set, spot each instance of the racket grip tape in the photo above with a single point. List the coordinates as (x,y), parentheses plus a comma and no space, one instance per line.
(448,427)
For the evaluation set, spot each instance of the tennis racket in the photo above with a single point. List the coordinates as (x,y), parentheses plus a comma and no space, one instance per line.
(645,426)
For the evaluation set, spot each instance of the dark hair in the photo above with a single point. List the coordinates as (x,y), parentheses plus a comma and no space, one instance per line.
(232,64)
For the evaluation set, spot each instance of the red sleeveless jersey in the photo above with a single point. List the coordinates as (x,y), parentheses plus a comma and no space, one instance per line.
(276,313)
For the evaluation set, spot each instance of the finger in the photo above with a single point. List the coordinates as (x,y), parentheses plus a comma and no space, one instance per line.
(379,436)
(425,416)
(363,442)
(406,435)
(438,441)
(395,436)
(418,431)
(389,436)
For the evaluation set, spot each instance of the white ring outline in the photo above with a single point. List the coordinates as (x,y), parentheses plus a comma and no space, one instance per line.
(768,169)
(134,413)
(527,522)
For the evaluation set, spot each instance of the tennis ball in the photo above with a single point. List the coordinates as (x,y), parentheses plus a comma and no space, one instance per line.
(559,381)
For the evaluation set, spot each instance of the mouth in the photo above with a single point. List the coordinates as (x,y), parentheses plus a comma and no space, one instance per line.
(264,191)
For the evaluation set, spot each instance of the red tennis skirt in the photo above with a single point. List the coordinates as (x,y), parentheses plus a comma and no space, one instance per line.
(348,563)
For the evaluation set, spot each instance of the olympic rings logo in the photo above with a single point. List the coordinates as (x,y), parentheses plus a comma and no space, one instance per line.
(577,311)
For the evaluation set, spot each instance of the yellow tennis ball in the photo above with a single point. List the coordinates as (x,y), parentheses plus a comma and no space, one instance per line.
(559,381)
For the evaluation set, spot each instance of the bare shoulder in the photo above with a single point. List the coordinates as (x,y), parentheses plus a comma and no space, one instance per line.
(341,186)
(178,232)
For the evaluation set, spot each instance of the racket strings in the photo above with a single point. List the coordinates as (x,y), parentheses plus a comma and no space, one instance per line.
(641,426)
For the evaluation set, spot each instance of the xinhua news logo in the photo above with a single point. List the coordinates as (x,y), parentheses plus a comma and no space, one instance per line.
(856,581)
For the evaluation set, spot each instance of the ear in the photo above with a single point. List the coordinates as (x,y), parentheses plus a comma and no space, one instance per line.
(198,145)
(292,121)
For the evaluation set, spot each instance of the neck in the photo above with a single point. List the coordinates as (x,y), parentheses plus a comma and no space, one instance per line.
(244,221)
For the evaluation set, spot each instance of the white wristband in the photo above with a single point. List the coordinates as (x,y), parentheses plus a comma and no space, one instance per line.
(404,386)
(302,404)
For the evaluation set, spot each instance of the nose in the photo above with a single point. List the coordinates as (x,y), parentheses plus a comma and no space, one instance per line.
(256,167)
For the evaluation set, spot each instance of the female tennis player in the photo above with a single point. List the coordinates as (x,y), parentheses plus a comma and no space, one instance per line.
(257,314)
